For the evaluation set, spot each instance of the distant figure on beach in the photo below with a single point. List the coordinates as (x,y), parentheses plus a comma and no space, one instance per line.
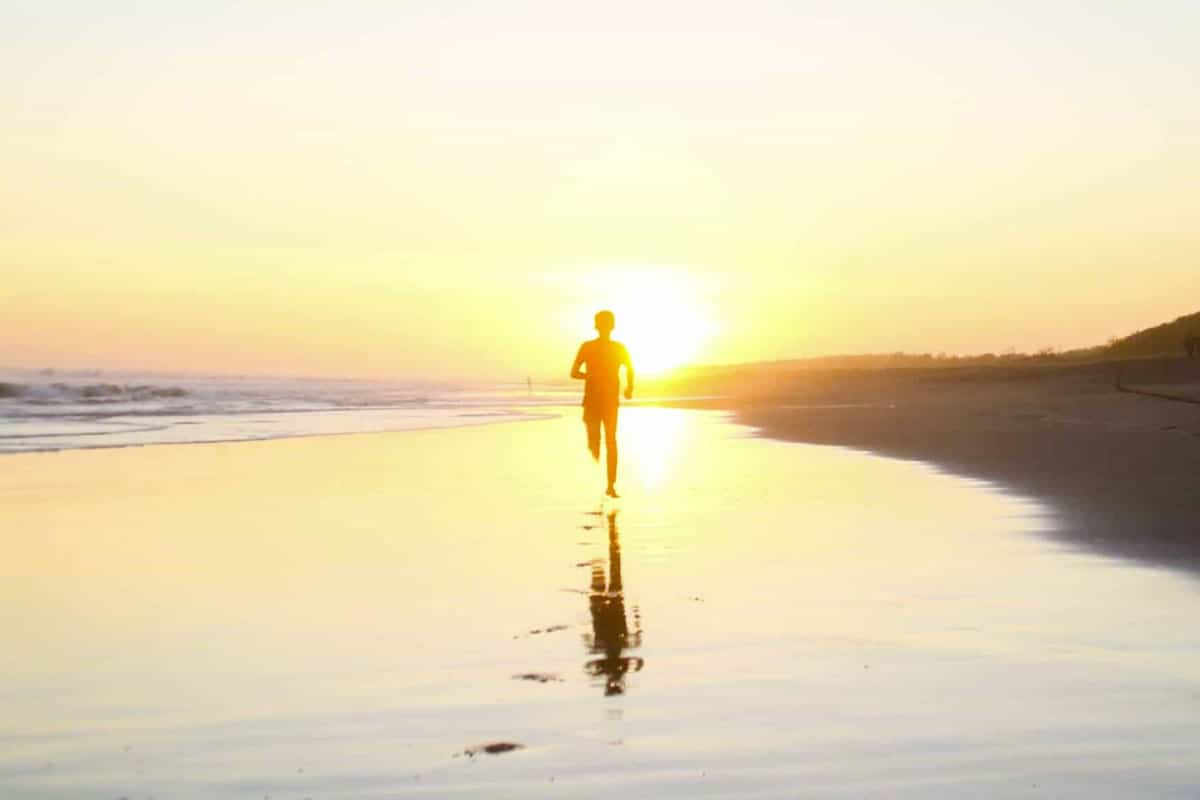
(603,359)
(611,635)
(1192,344)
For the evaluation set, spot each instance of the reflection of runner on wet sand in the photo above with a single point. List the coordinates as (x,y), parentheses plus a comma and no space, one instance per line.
(610,632)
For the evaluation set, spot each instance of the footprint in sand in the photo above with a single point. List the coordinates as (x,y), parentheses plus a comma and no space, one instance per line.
(492,748)
(539,631)
(538,677)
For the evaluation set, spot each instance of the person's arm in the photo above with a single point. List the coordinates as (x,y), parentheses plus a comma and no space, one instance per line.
(575,371)
(628,362)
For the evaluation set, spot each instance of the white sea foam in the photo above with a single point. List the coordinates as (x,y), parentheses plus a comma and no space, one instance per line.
(50,410)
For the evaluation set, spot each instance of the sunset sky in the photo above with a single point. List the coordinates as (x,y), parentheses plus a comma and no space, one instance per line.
(450,189)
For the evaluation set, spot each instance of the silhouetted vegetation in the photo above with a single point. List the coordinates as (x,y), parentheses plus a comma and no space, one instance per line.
(1167,340)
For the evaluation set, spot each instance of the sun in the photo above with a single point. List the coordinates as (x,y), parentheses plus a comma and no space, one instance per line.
(661,333)
(660,314)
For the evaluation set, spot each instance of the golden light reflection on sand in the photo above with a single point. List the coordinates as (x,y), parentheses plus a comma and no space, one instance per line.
(654,436)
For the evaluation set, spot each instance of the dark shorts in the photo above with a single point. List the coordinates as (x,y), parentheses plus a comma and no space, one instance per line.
(597,416)
(595,413)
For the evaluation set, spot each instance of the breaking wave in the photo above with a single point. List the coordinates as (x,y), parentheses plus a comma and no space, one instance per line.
(57,411)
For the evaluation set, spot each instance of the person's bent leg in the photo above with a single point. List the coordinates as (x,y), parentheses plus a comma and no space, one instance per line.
(593,435)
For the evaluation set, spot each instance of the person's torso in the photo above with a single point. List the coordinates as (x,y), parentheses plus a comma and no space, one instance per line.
(603,360)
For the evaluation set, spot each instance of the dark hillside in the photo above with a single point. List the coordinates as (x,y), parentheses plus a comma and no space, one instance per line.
(1161,340)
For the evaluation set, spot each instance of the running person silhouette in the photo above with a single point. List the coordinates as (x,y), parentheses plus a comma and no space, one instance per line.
(601,390)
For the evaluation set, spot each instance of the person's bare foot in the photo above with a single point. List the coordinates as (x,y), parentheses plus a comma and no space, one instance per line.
(612,492)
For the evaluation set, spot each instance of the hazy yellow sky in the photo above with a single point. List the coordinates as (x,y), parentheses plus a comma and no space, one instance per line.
(449,189)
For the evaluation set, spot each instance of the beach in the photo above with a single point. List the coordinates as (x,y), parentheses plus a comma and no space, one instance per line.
(459,613)
(750,401)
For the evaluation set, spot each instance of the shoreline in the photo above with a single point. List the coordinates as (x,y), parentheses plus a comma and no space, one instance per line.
(1119,469)
(512,416)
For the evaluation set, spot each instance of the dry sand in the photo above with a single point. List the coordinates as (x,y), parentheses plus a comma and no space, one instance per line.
(1120,468)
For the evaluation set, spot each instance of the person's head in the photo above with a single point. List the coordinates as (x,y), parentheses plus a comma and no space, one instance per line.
(605,322)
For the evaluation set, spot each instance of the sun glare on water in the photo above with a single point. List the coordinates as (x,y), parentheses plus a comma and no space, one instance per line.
(661,317)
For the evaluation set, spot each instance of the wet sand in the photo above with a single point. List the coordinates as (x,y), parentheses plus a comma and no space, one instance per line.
(1120,468)
(458,613)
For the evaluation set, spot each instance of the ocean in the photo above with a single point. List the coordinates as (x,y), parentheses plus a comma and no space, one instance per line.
(50,410)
